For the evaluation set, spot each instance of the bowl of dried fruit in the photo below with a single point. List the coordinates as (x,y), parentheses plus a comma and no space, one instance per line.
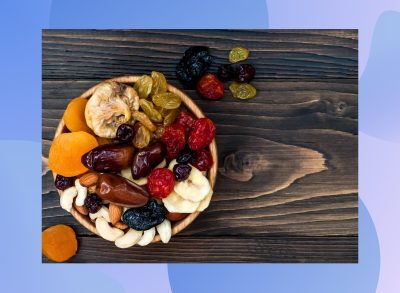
(134,160)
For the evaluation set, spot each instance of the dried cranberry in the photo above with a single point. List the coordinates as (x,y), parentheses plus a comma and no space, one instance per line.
(225,72)
(181,172)
(245,73)
(93,203)
(174,140)
(125,133)
(184,157)
(202,160)
(210,87)
(160,182)
(202,134)
(186,120)
(63,183)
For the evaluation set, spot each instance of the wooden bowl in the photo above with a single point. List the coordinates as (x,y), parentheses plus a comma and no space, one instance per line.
(191,106)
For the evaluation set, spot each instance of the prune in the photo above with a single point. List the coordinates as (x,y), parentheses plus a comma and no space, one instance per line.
(167,100)
(245,73)
(186,120)
(210,87)
(185,157)
(181,171)
(63,183)
(202,160)
(160,182)
(202,134)
(120,191)
(150,111)
(93,203)
(225,72)
(174,140)
(242,91)
(145,217)
(108,157)
(238,54)
(193,64)
(146,159)
(125,133)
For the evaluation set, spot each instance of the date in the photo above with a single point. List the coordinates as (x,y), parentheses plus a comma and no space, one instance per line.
(146,159)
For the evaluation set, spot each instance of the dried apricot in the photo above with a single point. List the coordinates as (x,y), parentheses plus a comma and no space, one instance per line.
(74,115)
(66,152)
(59,243)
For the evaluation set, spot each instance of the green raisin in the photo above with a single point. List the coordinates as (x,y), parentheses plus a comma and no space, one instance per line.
(143,86)
(159,83)
(159,132)
(167,100)
(142,137)
(243,91)
(238,54)
(171,116)
(150,111)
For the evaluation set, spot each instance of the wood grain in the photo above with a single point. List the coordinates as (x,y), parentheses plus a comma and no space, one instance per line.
(287,183)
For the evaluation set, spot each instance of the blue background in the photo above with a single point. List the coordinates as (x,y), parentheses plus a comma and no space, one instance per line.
(20,145)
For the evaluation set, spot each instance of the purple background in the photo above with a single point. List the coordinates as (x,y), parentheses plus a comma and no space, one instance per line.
(20,145)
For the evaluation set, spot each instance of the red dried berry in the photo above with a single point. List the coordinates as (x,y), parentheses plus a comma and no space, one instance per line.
(174,140)
(210,87)
(202,160)
(160,182)
(186,120)
(202,134)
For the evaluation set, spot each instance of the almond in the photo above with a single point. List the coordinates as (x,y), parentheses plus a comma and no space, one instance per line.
(120,225)
(89,179)
(81,209)
(115,213)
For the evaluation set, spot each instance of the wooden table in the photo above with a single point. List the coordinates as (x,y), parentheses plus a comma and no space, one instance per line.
(287,183)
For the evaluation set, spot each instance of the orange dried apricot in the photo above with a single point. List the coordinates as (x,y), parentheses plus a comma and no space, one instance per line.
(74,115)
(59,243)
(66,152)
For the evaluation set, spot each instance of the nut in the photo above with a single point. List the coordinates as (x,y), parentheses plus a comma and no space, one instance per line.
(120,225)
(81,209)
(129,239)
(67,198)
(106,231)
(82,193)
(147,237)
(89,179)
(164,230)
(115,213)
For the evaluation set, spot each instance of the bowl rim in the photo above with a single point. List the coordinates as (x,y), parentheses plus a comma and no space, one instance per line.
(194,109)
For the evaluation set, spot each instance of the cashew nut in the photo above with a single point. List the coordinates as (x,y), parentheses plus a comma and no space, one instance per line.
(147,237)
(129,239)
(106,231)
(82,193)
(103,213)
(164,230)
(67,198)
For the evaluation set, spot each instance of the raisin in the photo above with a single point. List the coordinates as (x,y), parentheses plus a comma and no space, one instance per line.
(193,65)
(145,217)
(225,72)
(202,160)
(93,203)
(185,157)
(167,100)
(160,182)
(202,134)
(170,117)
(150,111)
(142,136)
(186,120)
(242,91)
(181,171)
(159,83)
(174,140)
(63,183)
(245,73)
(238,54)
(210,87)
(125,133)
(143,86)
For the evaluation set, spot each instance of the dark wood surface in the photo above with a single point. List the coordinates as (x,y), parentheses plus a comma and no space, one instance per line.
(287,183)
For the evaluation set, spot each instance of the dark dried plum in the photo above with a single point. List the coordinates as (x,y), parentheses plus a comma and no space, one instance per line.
(145,217)
(225,72)
(63,183)
(245,73)
(93,203)
(181,172)
(193,65)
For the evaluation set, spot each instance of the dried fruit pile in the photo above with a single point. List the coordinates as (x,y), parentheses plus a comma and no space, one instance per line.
(192,72)
(134,159)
